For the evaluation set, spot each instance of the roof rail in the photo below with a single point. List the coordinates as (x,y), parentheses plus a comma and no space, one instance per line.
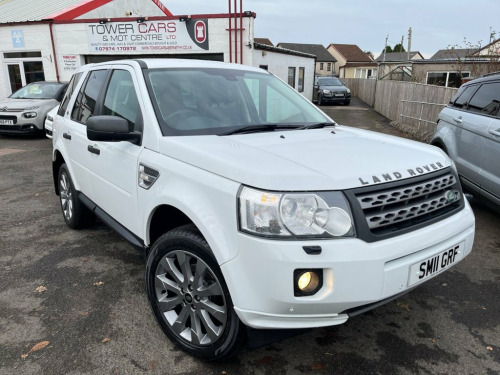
(491,74)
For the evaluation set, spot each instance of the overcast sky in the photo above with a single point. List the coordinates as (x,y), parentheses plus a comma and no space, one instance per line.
(436,24)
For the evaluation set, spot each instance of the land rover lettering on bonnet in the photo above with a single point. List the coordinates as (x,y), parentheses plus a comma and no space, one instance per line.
(249,209)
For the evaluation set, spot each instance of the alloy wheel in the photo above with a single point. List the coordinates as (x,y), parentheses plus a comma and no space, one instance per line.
(66,196)
(190,298)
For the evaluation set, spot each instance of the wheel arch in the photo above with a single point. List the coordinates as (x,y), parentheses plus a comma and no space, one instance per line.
(165,218)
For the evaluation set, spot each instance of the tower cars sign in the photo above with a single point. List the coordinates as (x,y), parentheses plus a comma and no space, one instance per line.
(149,36)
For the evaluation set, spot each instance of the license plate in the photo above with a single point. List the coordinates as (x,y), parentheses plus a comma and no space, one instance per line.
(6,122)
(339,95)
(430,267)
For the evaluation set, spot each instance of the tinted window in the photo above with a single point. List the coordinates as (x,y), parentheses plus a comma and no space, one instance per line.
(463,96)
(86,101)
(121,98)
(329,81)
(69,92)
(486,100)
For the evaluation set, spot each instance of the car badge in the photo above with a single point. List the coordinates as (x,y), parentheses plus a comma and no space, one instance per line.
(4,108)
(451,196)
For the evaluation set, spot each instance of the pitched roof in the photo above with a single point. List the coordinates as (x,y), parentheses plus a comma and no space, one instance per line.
(267,47)
(453,53)
(397,56)
(486,47)
(30,10)
(314,49)
(263,41)
(351,52)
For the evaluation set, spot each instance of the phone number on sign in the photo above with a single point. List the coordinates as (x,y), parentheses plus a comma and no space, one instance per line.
(117,48)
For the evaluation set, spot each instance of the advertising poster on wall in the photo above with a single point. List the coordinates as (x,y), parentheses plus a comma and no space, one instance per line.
(148,37)
(70,63)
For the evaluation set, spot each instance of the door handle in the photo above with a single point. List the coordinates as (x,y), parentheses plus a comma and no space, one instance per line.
(458,119)
(67,136)
(93,150)
(496,133)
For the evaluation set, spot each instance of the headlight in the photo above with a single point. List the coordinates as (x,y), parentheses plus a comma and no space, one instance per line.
(348,91)
(326,91)
(29,115)
(275,214)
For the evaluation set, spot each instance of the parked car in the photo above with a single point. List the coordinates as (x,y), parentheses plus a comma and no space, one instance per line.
(49,119)
(24,112)
(331,90)
(251,205)
(468,130)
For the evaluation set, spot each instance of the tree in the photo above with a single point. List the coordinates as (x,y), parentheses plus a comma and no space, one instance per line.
(388,49)
(473,58)
(398,48)
(369,53)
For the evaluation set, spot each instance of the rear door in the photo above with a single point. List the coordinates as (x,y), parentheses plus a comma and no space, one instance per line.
(75,129)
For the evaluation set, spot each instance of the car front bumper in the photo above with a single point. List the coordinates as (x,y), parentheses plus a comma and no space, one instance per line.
(336,99)
(21,125)
(356,274)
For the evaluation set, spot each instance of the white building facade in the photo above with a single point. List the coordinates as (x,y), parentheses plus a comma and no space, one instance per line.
(53,49)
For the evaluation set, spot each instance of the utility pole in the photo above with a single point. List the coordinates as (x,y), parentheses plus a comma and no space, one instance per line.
(402,40)
(385,47)
(409,44)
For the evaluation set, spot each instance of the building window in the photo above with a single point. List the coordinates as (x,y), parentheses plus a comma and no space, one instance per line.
(301,79)
(320,66)
(265,67)
(365,73)
(328,67)
(447,79)
(291,76)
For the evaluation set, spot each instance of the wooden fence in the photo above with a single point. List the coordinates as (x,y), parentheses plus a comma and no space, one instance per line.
(408,103)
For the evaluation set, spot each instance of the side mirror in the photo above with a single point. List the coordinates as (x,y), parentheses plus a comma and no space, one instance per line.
(111,129)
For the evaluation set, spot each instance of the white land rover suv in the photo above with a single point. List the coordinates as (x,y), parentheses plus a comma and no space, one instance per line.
(253,207)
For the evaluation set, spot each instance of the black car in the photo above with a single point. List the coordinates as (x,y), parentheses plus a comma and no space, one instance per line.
(331,90)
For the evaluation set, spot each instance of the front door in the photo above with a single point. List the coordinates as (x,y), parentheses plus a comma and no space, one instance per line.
(115,189)
(16,76)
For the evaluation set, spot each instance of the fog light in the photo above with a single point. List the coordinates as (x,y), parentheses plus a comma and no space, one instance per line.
(307,282)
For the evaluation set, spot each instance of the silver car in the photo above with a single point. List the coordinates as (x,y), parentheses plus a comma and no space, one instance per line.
(469,132)
(24,112)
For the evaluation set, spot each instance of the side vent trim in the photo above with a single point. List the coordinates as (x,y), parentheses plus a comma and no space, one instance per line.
(147,176)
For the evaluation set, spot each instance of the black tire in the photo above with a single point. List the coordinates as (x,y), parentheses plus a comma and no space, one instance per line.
(320,100)
(172,299)
(75,213)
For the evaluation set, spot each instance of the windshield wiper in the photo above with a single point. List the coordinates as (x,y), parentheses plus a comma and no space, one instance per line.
(318,125)
(261,128)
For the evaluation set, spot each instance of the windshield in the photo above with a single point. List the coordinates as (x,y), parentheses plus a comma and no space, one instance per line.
(218,101)
(38,91)
(332,81)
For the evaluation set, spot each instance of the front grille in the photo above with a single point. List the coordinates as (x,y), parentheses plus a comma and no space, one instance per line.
(10,127)
(393,208)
